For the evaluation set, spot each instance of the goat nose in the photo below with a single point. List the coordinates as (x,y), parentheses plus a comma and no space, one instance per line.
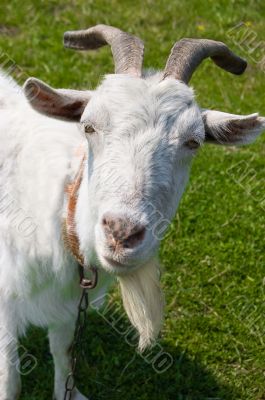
(122,232)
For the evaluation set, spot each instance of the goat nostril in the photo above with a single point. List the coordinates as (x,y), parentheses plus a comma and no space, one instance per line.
(104,221)
(134,239)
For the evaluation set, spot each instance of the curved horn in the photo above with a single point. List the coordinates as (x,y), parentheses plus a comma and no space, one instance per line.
(127,50)
(187,54)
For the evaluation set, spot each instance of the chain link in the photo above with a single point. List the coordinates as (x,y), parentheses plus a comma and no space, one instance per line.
(86,285)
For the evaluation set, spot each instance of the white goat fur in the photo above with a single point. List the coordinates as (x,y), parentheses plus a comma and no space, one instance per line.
(146,124)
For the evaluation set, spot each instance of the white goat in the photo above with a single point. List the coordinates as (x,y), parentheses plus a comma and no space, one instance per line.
(139,134)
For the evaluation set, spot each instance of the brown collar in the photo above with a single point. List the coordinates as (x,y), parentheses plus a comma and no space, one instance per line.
(69,226)
(70,237)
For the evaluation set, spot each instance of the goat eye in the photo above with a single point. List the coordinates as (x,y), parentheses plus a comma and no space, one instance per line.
(192,144)
(89,129)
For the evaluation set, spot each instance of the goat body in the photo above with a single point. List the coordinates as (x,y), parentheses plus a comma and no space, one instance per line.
(38,279)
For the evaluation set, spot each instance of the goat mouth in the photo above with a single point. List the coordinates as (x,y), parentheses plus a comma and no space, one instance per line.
(114,263)
(117,267)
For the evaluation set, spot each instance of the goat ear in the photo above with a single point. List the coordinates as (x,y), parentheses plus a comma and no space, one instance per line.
(63,104)
(230,129)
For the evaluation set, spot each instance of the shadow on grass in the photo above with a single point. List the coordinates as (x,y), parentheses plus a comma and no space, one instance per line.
(111,369)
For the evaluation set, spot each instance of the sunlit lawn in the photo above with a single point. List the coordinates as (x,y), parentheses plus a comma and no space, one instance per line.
(213,256)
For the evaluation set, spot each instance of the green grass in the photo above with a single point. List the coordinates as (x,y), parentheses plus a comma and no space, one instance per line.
(213,256)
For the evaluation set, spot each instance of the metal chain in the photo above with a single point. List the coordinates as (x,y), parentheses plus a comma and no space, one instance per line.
(86,285)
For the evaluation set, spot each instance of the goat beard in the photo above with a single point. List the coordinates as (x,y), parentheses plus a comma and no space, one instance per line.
(143,302)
